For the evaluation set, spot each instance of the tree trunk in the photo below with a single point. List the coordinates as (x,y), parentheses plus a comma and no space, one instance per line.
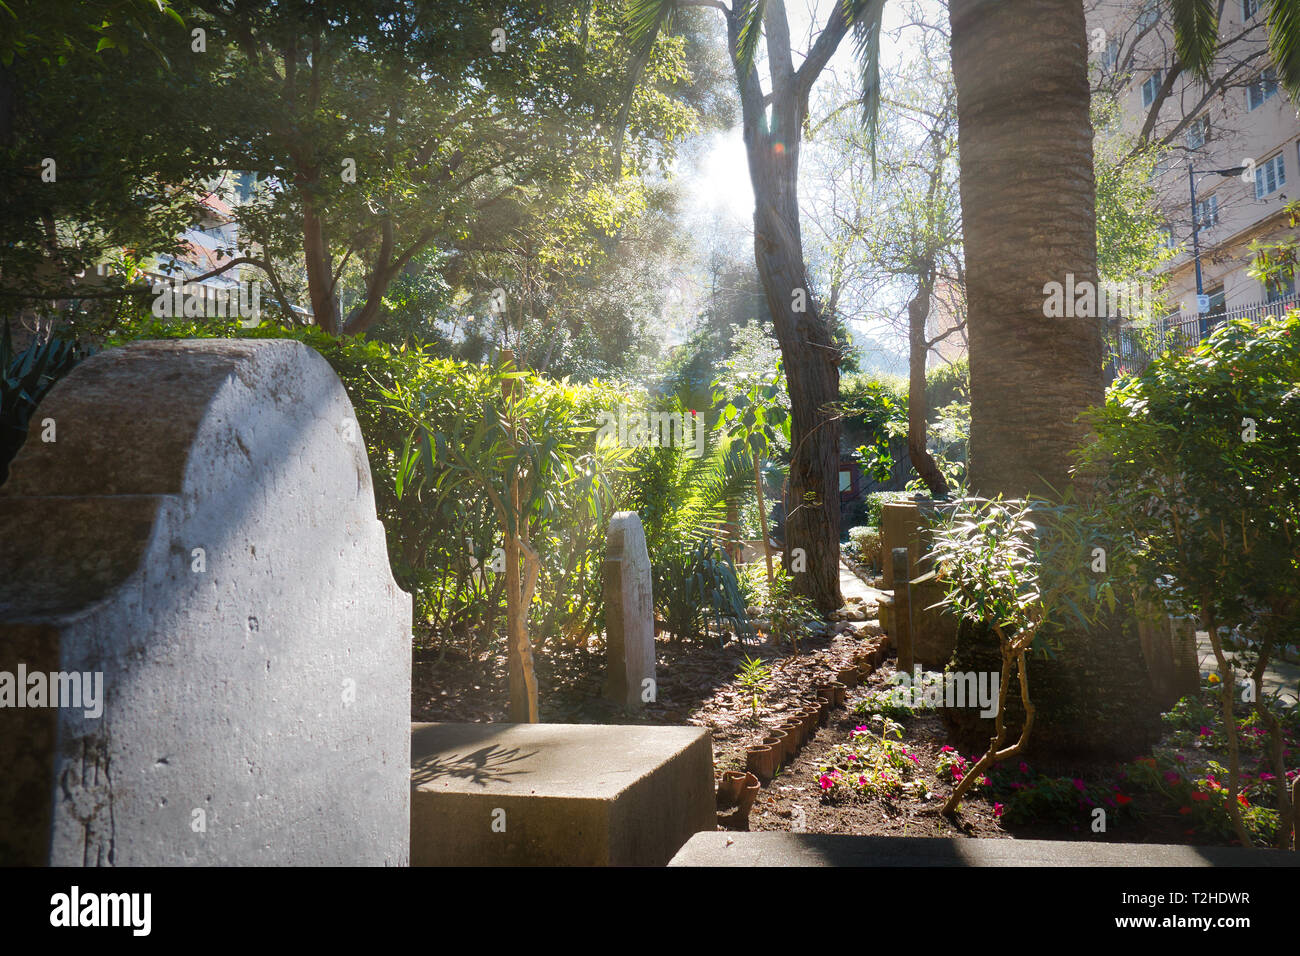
(762,518)
(918,311)
(812,509)
(320,272)
(731,531)
(1028,206)
(1028,200)
(519,655)
(519,590)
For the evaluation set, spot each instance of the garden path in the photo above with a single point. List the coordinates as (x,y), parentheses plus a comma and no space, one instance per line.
(1279,676)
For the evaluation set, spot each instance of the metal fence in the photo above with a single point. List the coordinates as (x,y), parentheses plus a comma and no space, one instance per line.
(1132,349)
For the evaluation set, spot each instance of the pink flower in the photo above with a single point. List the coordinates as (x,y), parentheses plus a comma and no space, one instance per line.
(945,749)
(1172,776)
(1206,731)
(1079,785)
(1024,767)
(826,782)
(862,781)
(997,809)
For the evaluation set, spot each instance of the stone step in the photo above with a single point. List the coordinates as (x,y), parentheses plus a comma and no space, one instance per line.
(834,849)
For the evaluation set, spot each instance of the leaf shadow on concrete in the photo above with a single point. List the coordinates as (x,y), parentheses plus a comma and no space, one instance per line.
(483,766)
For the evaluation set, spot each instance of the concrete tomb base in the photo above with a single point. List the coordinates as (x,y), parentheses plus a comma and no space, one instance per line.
(557,794)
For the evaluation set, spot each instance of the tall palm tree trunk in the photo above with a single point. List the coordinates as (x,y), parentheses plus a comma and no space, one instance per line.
(1028,206)
(1029,211)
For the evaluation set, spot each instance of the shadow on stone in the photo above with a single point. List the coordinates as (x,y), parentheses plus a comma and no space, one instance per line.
(483,766)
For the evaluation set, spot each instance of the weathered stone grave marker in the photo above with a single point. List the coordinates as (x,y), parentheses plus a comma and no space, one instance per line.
(902,619)
(629,614)
(203,535)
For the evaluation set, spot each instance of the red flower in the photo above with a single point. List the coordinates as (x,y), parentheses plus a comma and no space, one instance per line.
(1122,800)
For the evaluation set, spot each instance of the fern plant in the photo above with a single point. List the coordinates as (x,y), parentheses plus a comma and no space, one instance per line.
(683,504)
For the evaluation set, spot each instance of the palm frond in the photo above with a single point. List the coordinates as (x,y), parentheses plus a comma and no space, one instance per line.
(865,18)
(643,22)
(750,13)
(1196,33)
(705,486)
(1284,43)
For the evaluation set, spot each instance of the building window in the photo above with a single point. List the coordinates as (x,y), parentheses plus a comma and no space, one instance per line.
(1166,238)
(1207,212)
(1151,87)
(1111,55)
(1279,288)
(1270,176)
(1149,14)
(1264,88)
(1248,9)
(1198,131)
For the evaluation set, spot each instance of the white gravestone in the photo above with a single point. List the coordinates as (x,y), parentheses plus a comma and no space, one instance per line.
(629,614)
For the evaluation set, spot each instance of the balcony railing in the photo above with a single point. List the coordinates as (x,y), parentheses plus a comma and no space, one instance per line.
(1131,350)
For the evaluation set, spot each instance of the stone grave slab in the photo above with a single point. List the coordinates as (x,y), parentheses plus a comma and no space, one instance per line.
(557,794)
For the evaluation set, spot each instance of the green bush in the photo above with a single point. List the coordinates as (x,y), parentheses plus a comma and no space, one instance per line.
(440,551)
(866,540)
(877,499)
(1197,465)
(897,702)
(945,384)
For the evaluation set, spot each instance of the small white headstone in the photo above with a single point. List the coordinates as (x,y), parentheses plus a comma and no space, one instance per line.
(629,612)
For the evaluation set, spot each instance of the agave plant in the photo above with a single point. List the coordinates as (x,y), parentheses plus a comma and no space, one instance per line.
(25,378)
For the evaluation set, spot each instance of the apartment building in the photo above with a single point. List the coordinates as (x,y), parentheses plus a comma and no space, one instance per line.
(210,242)
(1232,142)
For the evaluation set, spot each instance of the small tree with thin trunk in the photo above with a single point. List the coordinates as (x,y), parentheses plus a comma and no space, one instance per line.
(1015,566)
(751,416)
(504,433)
(1198,468)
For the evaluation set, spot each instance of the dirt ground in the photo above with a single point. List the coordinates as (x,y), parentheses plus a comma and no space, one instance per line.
(696,685)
